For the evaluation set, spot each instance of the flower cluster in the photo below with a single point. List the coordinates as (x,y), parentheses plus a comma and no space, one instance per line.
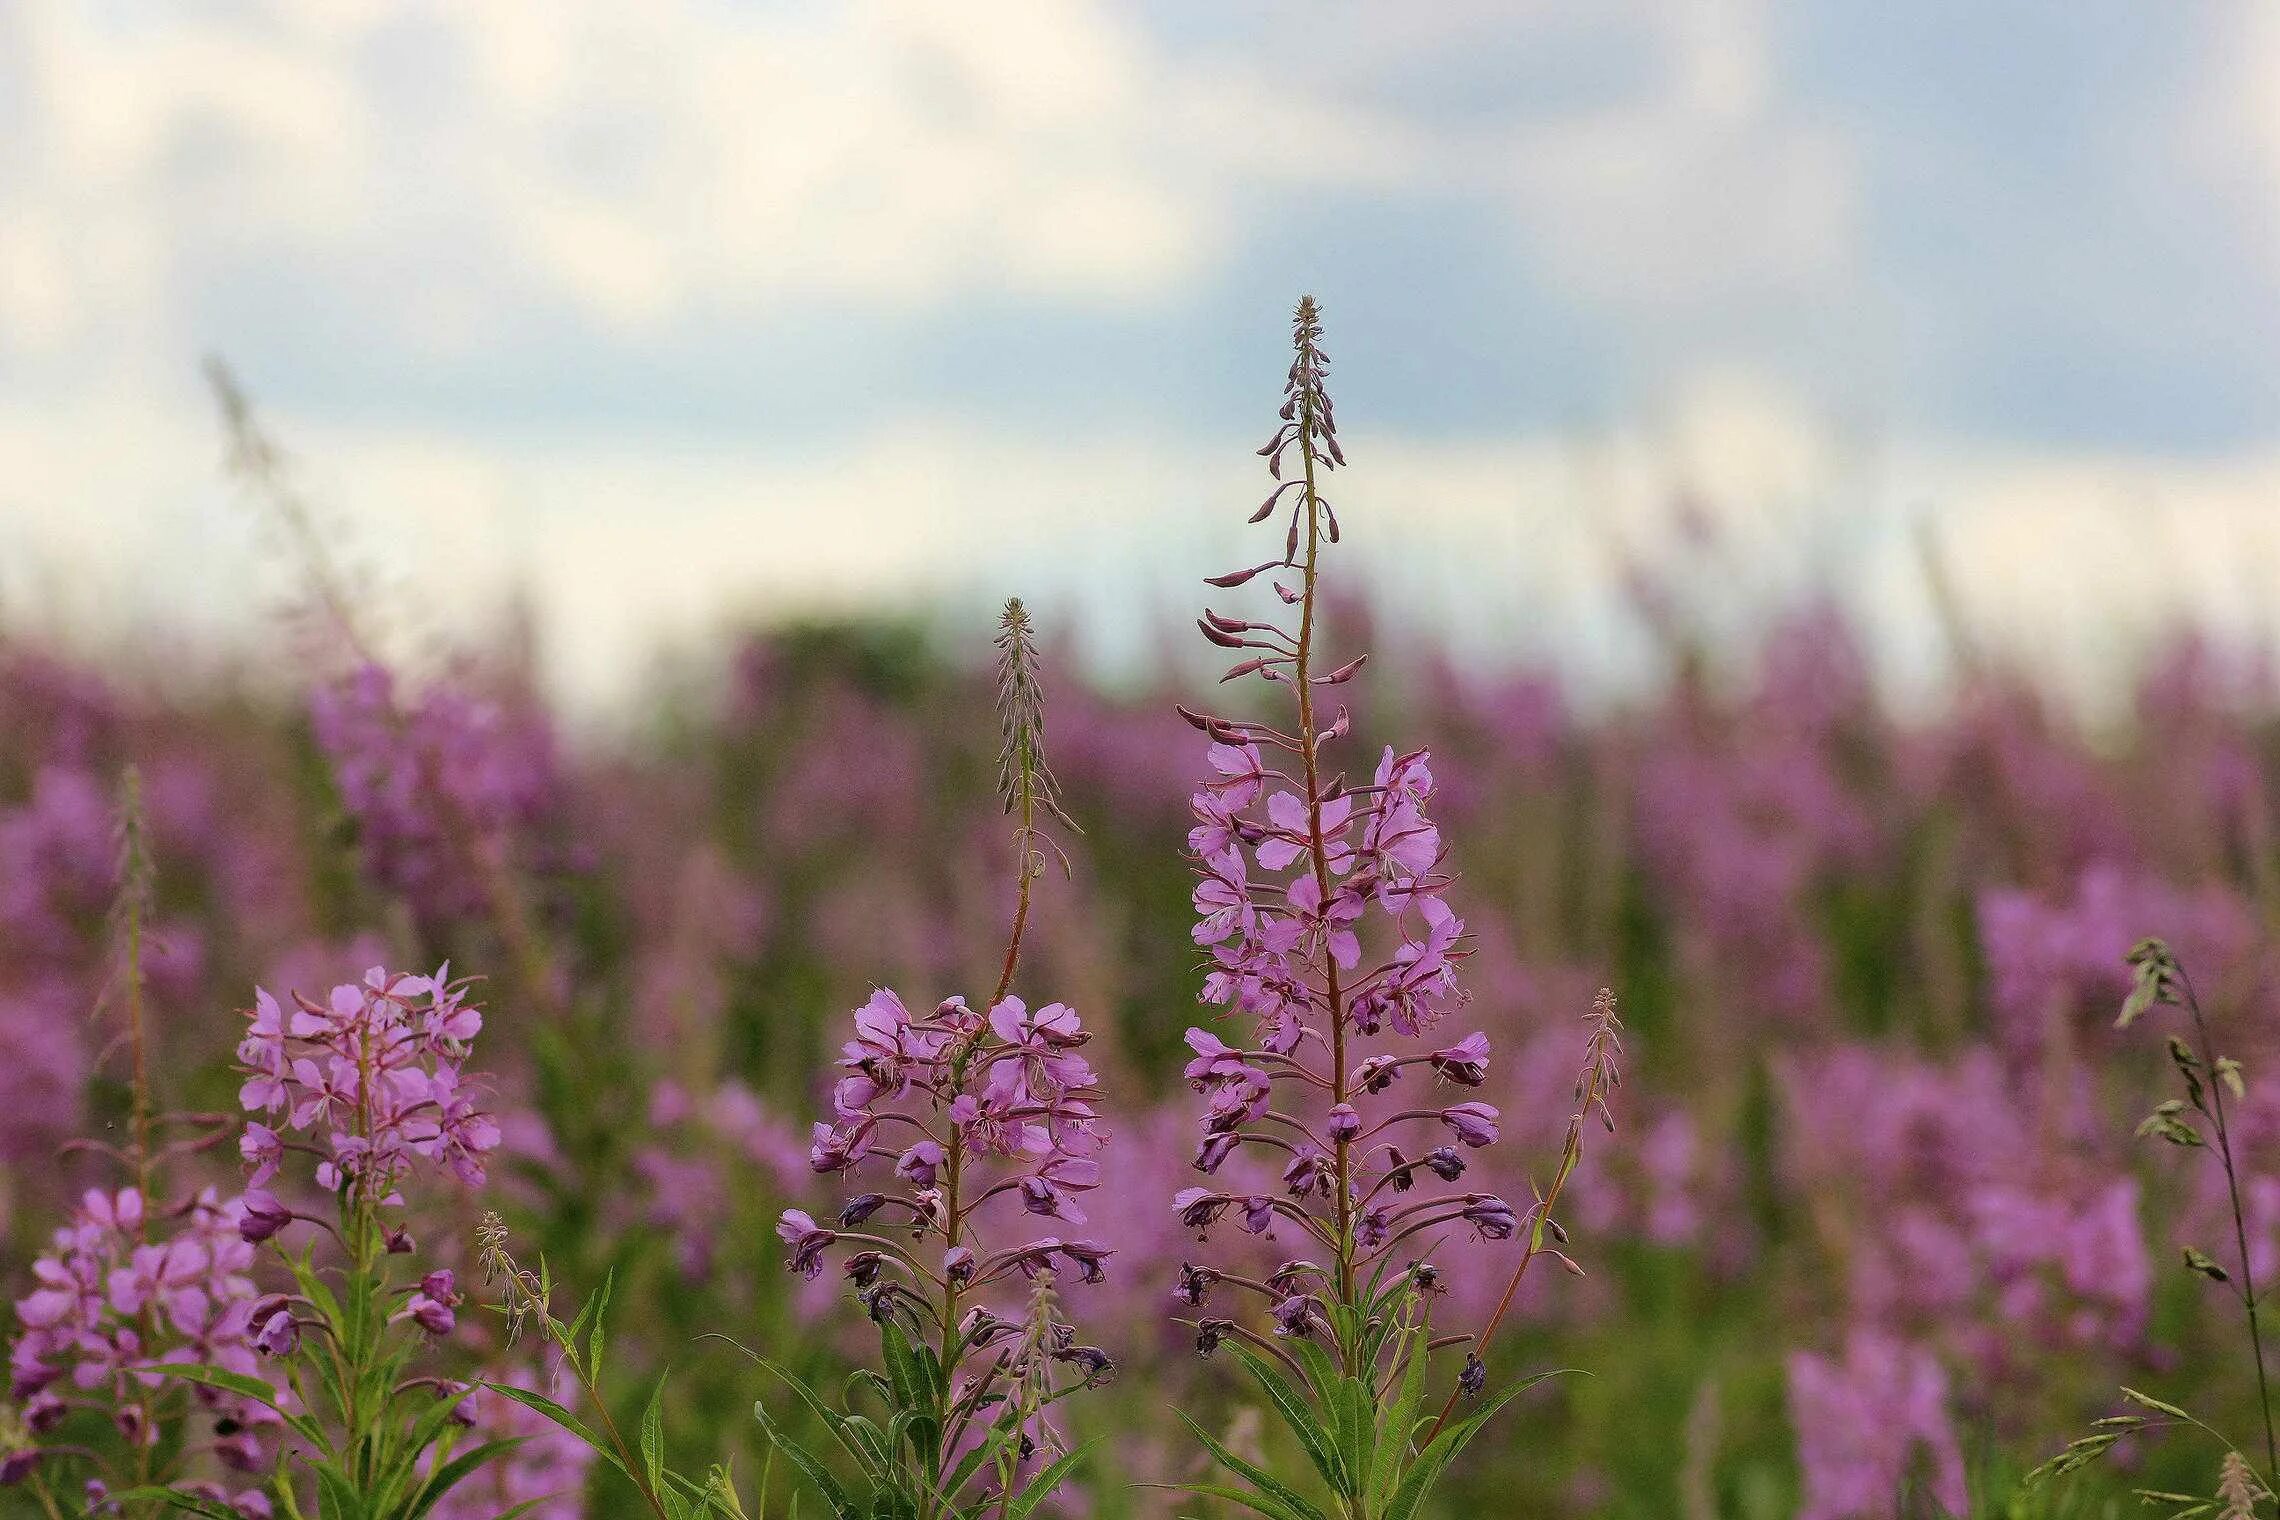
(1871,1426)
(976,1118)
(437,787)
(1322,902)
(124,1288)
(369,1083)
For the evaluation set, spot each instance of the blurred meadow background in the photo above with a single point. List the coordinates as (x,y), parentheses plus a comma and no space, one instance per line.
(1813,486)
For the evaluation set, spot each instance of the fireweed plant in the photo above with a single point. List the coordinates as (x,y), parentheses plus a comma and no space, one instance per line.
(143,1279)
(1323,903)
(980,1128)
(982,1121)
(356,1099)
(2197,1121)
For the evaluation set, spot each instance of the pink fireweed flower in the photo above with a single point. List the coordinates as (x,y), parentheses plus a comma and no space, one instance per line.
(366,1091)
(433,781)
(1867,1423)
(121,1289)
(980,1124)
(370,1082)
(1321,898)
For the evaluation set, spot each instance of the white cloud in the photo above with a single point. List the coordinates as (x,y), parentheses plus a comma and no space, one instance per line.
(434,174)
(1515,548)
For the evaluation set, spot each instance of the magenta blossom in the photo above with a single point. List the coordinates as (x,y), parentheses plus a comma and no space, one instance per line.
(370,1081)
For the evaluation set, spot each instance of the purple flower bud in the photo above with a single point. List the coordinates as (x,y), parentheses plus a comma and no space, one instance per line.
(1214,1150)
(1445,1163)
(1474,1124)
(919,1165)
(1492,1216)
(434,1315)
(16,1466)
(277,1333)
(1377,1073)
(983,1328)
(1296,1317)
(958,1264)
(1285,1279)
(1344,1123)
(863,1267)
(1308,1172)
(860,1208)
(263,1217)
(399,1242)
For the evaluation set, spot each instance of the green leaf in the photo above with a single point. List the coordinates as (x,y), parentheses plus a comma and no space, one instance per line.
(527,1506)
(599,1306)
(1288,1501)
(1256,1502)
(853,1432)
(1292,1405)
(1400,1425)
(1321,1372)
(834,1493)
(457,1469)
(427,1428)
(653,1434)
(337,1498)
(972,1462)
(1353,1422)
(1041,1487)
(173,1499)
(560,1416)
(1445,1448)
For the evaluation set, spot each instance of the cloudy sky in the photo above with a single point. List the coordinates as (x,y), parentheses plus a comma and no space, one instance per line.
(669,314)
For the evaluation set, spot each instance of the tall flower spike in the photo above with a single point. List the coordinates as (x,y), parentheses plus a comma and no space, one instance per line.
(982,1122)
(138,1276)
(1321,899)
(1026,784)
(1025,781)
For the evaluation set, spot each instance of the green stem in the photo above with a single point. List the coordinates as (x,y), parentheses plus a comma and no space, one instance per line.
(2239,1219)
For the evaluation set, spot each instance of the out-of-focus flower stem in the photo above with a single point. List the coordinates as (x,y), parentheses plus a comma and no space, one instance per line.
(2239,1218)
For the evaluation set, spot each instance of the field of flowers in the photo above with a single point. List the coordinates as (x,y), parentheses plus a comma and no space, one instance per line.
(1051,1036)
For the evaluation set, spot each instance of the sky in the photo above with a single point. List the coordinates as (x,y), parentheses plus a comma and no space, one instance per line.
(657,318)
